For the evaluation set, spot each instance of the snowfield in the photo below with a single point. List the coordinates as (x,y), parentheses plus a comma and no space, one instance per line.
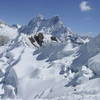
(66,69)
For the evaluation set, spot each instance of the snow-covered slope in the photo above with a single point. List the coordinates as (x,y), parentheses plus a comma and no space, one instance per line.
(94,64)
(43,65)
(56,70)
(8,31)
(85,53)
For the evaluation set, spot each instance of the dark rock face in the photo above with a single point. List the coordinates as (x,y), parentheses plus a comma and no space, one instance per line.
(39,38)
(54,39)
(32,40)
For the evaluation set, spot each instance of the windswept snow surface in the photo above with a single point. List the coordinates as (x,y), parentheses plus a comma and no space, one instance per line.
(39,69)
(63,70)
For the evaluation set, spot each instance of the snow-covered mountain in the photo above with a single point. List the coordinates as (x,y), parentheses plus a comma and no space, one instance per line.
(87,51)
(6,30)
(49,26)
(61,68)
(53,26)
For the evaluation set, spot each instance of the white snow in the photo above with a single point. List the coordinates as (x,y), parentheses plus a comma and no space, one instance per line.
(6,30)
(47,72)
(94,64)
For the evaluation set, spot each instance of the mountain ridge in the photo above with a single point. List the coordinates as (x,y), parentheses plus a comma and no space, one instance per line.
(28,72)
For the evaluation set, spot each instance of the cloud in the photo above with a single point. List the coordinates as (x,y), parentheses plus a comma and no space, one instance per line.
(84,6)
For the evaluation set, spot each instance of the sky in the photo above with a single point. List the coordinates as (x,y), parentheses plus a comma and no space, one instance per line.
(82,16)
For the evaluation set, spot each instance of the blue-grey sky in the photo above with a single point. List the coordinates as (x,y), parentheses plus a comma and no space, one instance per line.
(82,16)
